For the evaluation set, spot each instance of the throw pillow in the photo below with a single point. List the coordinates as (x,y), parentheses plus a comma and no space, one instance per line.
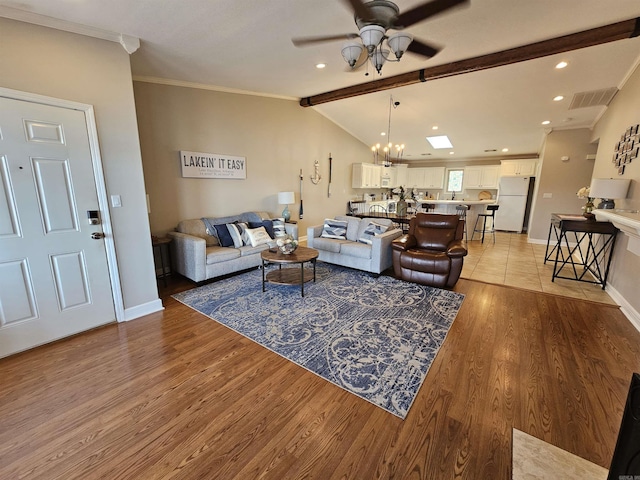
(257,236)
(267,224)
(373,229)
(334,229)
(235,235)
(224,237)
(278,227)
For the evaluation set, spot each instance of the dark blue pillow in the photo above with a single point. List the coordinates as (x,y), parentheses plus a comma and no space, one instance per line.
(267,224)
(224,237)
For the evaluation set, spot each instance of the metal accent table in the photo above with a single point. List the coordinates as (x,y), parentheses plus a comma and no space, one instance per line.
(591,251)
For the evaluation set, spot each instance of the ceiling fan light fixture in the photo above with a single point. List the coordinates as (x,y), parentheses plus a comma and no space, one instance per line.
(398,43)
(351,51)
(371,36)
(378,58)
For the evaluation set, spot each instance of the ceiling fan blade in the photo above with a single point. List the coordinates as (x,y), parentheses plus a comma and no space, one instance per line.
(304,41)
(360,9)
(424,11)
(416,46)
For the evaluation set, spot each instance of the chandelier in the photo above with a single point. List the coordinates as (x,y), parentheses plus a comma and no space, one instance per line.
(388,149)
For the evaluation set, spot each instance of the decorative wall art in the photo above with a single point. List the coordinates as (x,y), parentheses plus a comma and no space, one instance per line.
(627,149)
(212,165)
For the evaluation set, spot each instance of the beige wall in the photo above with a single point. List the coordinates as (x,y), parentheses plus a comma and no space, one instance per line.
(561,179)
(623,112)
(277,137)
(73,67)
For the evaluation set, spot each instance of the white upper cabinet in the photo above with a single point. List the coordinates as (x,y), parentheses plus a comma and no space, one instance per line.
(425,177)
(518,168)
(434,178)
(366,175)
(481,176)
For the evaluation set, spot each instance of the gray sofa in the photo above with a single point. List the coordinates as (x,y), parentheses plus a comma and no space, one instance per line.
(350,252)
(198,255)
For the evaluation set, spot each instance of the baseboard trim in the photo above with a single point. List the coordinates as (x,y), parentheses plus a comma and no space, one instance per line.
(142,310)
(625,307)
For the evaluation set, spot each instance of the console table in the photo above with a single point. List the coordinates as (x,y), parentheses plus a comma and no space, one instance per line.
(581,246)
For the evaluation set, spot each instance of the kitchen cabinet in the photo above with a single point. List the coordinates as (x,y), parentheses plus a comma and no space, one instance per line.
(425,177)
(398,175)
(366,175)
(434,177)
(481,176)
(518,168)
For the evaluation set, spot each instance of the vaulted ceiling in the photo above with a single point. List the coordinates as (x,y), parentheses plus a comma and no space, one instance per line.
(245,45)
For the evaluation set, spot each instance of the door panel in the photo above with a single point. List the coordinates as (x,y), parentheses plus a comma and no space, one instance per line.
(55,195)
(54,278)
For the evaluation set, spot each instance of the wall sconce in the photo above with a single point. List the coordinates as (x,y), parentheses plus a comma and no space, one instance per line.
(608,189)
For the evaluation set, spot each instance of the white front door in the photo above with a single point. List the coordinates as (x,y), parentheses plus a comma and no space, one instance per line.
(54,278)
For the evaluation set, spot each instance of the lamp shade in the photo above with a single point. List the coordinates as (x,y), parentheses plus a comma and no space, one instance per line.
(399,43)
(286,198)
(610,188)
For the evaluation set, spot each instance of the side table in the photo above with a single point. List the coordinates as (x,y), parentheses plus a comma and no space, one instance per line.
(160,246)
(580,246)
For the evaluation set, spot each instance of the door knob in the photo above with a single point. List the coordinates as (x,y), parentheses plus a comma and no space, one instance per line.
(97,235)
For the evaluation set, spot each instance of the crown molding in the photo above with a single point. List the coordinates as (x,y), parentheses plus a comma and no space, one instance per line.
(128,42)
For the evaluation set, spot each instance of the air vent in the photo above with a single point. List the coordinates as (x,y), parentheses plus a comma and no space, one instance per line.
(594,98)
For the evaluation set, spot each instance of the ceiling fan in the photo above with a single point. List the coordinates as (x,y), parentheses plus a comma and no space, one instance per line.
(374,19)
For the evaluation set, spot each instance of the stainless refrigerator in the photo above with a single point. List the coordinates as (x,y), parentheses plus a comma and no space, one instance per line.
(513,198)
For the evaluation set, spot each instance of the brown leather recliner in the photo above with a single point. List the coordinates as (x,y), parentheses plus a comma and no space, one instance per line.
(432,252)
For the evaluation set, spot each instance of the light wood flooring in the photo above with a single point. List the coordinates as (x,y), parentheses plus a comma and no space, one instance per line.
(512,261)
(177,395)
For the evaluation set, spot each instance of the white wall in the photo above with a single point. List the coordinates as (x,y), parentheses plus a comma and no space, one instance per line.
(561,179)
(97,72)
(277,137)
(623,112)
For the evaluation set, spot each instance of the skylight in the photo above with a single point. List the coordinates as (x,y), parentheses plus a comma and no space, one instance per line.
(440,141)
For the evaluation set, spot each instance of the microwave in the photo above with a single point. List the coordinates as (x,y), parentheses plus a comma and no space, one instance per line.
(385,181)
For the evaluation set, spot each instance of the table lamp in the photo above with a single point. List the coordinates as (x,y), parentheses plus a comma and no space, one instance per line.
(608,189)
(286,198)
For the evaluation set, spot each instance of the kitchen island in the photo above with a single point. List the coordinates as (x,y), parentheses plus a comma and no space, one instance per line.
(441,206)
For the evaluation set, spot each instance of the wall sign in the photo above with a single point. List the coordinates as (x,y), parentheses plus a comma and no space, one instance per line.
(212,165)
(627,149)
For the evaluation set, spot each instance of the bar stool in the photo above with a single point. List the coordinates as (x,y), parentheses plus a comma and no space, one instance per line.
(490,213)
(462,215)
(428,207)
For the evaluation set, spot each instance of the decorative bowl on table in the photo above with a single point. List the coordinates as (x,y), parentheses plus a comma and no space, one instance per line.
(286,244)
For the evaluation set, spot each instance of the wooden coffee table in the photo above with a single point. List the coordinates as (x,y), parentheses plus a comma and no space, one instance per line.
(289,276)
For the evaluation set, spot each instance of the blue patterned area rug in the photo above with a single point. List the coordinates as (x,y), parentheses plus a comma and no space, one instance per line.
(374,337)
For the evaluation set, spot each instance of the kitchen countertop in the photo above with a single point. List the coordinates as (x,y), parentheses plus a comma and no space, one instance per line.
(459,201)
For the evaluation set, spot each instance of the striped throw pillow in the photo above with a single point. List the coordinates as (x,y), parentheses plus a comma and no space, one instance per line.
(334,229)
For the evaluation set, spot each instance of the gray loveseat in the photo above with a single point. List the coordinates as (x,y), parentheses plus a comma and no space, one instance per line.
(350,252)
(198,255)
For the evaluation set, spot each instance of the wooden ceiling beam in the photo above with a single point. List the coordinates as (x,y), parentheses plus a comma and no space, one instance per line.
(588,38)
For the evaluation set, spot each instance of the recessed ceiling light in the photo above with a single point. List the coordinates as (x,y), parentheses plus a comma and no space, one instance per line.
(321,65)
(505,150)
(440,141)
(451,153)
(435,127)
(383,133)
(558,98)
(561,65)
(546,122)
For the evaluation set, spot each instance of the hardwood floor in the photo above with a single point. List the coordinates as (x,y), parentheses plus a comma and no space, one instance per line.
(177,395)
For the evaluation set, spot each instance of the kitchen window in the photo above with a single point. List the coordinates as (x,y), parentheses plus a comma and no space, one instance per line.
(454,180)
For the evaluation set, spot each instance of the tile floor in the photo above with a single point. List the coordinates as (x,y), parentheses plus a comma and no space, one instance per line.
(515,262)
